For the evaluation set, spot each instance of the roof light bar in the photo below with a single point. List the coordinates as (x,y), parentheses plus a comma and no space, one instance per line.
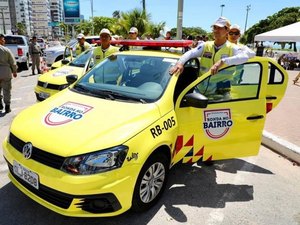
(150,43)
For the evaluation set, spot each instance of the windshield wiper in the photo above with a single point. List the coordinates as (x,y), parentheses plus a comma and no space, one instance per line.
(78,64)
(81,88)
(116,95)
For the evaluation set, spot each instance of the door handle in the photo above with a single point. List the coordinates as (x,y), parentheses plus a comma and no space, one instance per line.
(255,117)
(271,97)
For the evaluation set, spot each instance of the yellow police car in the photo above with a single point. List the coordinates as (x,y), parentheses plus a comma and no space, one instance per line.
(106,144)
(54,80)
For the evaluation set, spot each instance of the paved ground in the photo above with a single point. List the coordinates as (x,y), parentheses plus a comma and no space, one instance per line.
(283,122)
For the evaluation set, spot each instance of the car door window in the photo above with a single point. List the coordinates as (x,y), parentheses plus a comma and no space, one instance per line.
(275,75)
(234,83)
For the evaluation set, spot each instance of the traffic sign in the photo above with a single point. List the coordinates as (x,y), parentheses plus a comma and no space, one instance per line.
(72,20)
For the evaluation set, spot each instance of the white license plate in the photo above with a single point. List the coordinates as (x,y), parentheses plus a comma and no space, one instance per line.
(44,95)
(26,175)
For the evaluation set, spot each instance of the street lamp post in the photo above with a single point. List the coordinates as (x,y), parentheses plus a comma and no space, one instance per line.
(222,6)
(248,7)
(179,19)
(92,11)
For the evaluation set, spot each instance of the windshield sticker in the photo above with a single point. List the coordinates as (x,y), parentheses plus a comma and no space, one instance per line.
(217,123)
(62,72)
(68,112)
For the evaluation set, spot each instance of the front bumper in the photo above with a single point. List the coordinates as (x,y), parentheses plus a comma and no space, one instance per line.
(21,59)
(98,195)
(44,90)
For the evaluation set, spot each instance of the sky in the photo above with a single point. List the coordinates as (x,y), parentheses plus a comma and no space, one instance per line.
(196,13)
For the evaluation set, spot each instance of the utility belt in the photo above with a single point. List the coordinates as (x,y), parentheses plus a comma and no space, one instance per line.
(35,53)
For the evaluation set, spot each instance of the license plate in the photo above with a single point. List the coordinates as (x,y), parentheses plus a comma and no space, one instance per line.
(44,95)
(26,175)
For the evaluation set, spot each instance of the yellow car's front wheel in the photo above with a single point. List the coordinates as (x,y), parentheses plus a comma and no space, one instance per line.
(151,182)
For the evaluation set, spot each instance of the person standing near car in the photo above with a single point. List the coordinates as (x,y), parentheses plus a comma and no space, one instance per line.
(105,49)
(8,68)
(133,34)
(82,45)
(35,52)
(233,36)
(214,54)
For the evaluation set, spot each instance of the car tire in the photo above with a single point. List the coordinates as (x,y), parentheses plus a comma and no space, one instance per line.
(151,182)
(25,65)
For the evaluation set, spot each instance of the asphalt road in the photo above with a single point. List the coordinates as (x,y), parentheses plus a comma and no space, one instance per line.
(260,190)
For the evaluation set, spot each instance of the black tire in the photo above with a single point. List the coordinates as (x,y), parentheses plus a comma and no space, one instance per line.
(25,65)
(151,182)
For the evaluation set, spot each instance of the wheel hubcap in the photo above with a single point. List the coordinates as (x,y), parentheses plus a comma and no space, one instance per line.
(152,182)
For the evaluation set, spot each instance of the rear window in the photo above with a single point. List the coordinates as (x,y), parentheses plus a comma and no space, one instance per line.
(14,40)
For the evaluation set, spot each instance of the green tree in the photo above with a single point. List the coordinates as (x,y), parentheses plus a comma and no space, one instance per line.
(155,29)
(190,31)
(135,18)
(144,5)
(282,18)
(116,14)
(21,29)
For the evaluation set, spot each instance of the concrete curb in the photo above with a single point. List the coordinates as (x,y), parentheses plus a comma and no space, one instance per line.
(281,146)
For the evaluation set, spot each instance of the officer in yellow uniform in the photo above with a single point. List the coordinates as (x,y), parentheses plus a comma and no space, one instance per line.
(233,36)
(82,45)
(214,55)
(105,49)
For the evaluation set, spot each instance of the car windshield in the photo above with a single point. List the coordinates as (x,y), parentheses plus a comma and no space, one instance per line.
(82,59)
(127,78)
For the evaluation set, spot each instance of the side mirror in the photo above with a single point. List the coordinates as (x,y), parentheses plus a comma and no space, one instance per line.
(65,61)
(195,100)
(71,79)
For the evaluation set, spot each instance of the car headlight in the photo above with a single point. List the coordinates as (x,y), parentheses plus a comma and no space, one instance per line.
(96,162)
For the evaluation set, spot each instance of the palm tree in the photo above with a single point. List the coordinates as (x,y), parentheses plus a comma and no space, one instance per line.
(135,18)
(116,14)
(144,5)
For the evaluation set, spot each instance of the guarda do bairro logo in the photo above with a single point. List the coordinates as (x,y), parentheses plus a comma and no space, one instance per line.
(67,112)
(217,123)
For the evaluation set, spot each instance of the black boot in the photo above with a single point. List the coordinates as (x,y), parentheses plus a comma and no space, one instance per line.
(7,109)
(1,105)
(33,73)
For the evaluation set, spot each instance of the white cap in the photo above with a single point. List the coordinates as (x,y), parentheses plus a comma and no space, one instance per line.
(79,36)
(105,31)
(222,22)
(133,30)
(235,26)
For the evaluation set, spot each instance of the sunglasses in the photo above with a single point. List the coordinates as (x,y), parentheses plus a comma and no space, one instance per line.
(131,33)
(234,33)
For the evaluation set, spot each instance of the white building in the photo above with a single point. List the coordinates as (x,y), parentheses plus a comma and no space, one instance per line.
(41,17)
(5,21)
(38,17)
(56,8)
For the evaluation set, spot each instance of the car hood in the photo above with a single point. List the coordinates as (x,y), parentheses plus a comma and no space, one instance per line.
(58,76)
(70,123)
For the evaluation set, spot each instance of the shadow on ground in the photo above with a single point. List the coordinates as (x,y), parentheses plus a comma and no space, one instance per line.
(187,185)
